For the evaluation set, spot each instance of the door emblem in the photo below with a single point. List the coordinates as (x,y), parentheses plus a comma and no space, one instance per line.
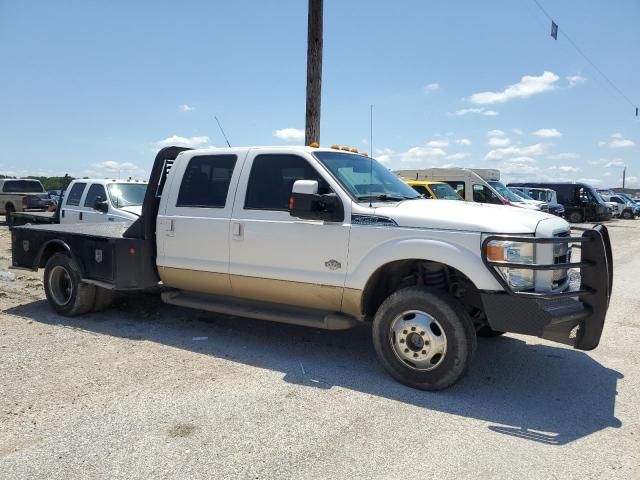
(25,245)
(332,264)
(98,255)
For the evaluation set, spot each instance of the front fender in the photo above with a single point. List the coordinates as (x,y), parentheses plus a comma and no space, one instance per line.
(457,256)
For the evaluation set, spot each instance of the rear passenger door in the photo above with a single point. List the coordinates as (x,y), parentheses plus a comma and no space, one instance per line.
(193,226)
(71,210)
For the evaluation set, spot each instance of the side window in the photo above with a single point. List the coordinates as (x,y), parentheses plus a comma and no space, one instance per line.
(75,194)
(422,190)
(616,200)
(483,194)
(459,188)
(272,178)
(96,190)
(206,181)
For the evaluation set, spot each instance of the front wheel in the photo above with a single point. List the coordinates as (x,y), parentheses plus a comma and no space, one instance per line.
(424,338)
(627,215)
(64,288)
(575,217)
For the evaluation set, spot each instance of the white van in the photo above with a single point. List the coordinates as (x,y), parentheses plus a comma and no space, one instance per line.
(102,200)
(480,185)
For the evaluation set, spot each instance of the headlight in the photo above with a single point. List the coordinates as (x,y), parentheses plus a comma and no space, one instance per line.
(513,252)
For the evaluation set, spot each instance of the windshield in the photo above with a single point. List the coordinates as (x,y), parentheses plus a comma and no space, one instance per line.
(364,177)
(444,191)
(626,197)
(22,186)
(126,194)
(522,194)
(505,192)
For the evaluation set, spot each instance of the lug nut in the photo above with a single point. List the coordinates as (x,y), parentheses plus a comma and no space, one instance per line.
(422,333)
(402,340)
(405,332)
(415,355)
(413,329)
(424,352)
(406,350)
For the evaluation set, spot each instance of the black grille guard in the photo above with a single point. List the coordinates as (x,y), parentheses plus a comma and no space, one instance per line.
(596,276)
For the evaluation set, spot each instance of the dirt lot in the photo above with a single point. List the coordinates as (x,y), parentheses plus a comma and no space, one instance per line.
(133,393)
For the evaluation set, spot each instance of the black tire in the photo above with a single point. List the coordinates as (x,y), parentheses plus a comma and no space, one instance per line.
(9,210)
(487,332)
(64,288)
(455,324)
(104,299)
(575,217)
(627,215)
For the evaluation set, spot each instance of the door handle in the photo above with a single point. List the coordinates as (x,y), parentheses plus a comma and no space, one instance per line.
(236,229)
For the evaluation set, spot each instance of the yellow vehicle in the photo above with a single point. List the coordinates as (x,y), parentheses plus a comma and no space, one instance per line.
(437,190)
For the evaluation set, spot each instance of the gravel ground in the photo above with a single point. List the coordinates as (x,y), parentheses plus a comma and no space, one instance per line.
(128,393)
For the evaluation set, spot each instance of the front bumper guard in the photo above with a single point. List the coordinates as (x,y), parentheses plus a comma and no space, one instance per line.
(572,317)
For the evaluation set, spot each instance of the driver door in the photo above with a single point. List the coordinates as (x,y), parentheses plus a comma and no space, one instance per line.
(89,213)
(275,257)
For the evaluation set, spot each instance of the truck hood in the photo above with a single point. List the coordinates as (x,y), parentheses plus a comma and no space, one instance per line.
(468,216)
(135,209)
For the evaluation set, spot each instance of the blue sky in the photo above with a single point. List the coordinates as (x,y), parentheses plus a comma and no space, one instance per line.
(93,88)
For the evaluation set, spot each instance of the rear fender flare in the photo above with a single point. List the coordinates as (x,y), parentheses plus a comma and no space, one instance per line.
(56,245)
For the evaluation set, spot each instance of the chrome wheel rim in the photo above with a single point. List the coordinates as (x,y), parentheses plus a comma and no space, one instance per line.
(418,340)
(60,285)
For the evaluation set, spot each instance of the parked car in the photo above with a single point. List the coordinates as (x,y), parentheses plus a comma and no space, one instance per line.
(581,201)
(545,195)
(434,190)
(624,208)
(102,200)
(328,238)
(635,205)
(20,195)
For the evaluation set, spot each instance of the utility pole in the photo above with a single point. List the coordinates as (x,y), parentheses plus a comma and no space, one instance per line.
(624,177)
(314,72)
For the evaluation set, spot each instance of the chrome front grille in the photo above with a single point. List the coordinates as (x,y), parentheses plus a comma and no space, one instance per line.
(561,254)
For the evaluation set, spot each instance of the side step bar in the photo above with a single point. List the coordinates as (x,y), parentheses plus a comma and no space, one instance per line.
(260,310)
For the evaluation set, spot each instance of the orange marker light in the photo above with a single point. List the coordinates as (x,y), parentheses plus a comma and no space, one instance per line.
(291,202)
(314,145)
(335,146)
(346,148)
(495,253)
(354,150)
(365,154)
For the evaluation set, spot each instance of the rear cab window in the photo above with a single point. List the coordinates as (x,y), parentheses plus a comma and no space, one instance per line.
(206,181)
(22,186)
(75,194)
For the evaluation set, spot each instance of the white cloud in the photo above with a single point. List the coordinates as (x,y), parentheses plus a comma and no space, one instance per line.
(607,174)
(547,132)
(186,108)
(495,133)
(384,155)
(575,80)
(480,111)
(289,134)
(618,141)
(592,181)
(527,86)
(456,156)
(499,141)
(420,153)
(518,169)
(112,168)
(432,87)
(438,143)
(614,163)
(183,141)
(463,141)
(520,160)
(634,182)
(563,156)
(515,151)
(517,131)
(565,168)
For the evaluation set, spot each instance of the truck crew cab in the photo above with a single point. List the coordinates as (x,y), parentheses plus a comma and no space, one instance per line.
(328,238)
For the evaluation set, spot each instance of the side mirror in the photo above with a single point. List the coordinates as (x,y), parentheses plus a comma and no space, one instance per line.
(306,203)
(101,205)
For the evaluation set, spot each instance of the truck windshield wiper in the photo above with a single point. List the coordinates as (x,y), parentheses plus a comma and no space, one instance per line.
(385,198)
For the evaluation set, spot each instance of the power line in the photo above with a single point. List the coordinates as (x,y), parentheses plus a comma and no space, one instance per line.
(575,46)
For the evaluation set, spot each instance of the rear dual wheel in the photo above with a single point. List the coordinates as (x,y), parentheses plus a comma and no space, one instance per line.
(424,338)
(67,293)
